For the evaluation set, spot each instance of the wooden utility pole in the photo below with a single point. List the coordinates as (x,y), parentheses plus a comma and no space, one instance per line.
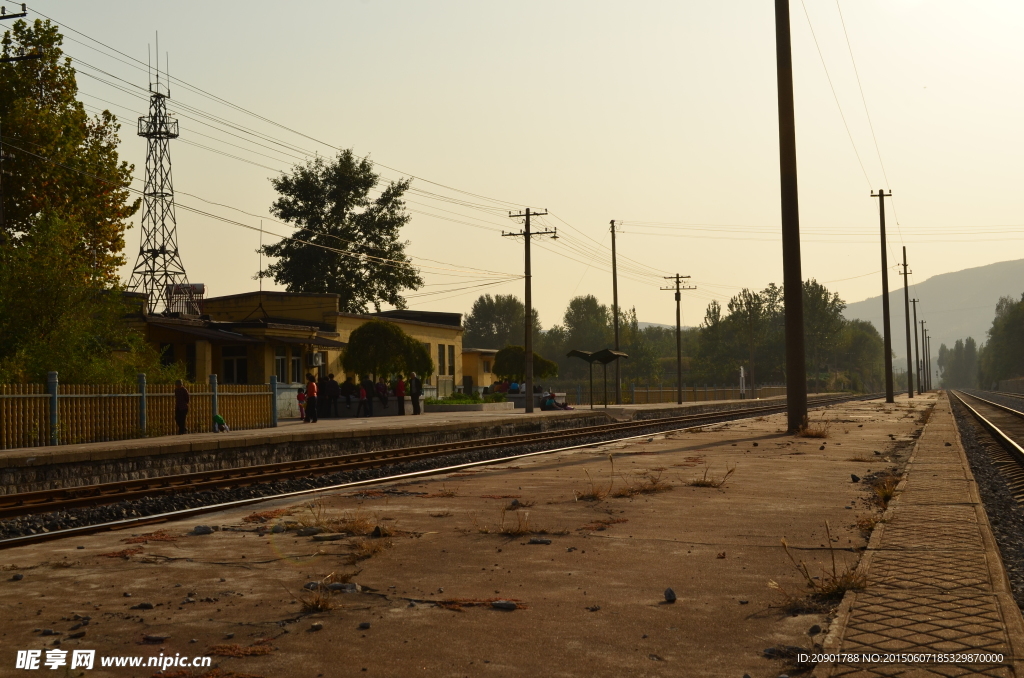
(679,330)
(887,333)
(906,313)
(615,316)
(924,350)
(528,349)
(917,350)
(792,278)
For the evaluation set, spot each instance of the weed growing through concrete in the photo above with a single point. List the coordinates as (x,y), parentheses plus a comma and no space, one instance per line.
(705,481)
(264,516)
(649,483)
(595,492)
(319,599)
(827,589)
(884,488)
(866,523)
(443,492)
(818,430)
(367,549)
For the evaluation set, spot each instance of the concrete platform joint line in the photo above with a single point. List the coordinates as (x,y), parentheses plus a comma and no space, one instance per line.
(936,581)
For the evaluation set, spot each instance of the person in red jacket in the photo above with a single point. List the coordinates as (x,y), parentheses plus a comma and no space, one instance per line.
(400,394)
(311,398)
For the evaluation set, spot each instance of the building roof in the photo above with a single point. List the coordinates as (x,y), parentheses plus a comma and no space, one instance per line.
(433,317)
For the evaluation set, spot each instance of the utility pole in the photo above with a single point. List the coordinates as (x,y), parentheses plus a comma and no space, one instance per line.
(679,331)
(926,361)
(917,349)
(615,316)
(23,57)
(886,334)
(906,313)
(792,278)
(928,353)
(528,349)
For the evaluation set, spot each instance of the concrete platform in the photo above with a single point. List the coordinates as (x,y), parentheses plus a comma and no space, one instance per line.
(39,468)
(589,603)
(936,582)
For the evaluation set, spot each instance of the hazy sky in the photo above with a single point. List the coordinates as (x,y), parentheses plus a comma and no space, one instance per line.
(658,114)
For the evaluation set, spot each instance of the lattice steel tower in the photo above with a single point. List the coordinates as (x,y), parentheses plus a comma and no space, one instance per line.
(158,270)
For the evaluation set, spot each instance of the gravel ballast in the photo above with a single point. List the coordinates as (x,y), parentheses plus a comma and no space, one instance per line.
(1004,512)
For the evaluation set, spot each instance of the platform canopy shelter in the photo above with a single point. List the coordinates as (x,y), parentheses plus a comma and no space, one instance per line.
(604,356)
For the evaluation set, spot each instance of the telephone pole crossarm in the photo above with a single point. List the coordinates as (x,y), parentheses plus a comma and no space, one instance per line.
(527,236)
(679,287)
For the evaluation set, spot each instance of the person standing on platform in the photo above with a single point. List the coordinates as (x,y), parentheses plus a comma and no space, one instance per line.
(415,391)
(311,399)
(333,391)
(181,398)
(349,390)
(365,401)
(367,385)
(382,392)
(400,394)
(300,398)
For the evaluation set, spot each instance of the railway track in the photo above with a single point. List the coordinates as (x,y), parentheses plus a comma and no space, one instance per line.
(64,499)
(1006,425)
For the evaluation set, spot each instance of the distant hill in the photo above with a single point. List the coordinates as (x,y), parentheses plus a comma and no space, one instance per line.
(955,305)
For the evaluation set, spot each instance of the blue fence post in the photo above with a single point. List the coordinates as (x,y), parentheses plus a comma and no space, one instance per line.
(273,400)
(51,387)
(213,400)
(142,403)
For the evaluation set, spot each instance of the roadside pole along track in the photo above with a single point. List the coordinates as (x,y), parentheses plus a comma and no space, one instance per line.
(45,501)
(1006,425)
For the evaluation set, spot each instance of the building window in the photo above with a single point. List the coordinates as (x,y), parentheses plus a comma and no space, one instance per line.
(166,354)
(236,365)
(487,367)
(451,359)
(281,363)
(440,359)
(296,366)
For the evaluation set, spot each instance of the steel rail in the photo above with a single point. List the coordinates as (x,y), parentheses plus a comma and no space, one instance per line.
(707,418)
(1011,445)
(43,501)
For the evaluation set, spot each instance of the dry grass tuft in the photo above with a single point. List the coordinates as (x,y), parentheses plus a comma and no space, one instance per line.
(866,523)
(863,459)
(236,650)
(264,516)
(368,549)
(884,488)
(819,430)
(649,483)
(705,481)
(442,514)
(444,492)
(126,553)
(827,589)
(209,673)
(595,492)
(159,535)
(601,525)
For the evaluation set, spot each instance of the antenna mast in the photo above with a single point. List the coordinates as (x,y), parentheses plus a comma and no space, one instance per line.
(158,269)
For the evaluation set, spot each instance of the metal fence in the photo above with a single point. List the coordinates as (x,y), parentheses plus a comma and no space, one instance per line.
(579,394)
(35,415)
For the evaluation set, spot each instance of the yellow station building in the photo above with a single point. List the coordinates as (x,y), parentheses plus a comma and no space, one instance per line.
(246,338)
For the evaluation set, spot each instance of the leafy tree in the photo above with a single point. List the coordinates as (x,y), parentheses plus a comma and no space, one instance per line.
(959,365)
(823,324)
(59,160)
(1002,356)
(380,348)
(497,322)
(586,325)
(347,243)
(56,315)
(510,363)
(748,309)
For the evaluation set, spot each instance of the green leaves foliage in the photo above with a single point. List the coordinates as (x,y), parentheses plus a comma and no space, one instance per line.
(57,314)
(496,322)
(380,348)
(346,242)
(510,363)
(60,161)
